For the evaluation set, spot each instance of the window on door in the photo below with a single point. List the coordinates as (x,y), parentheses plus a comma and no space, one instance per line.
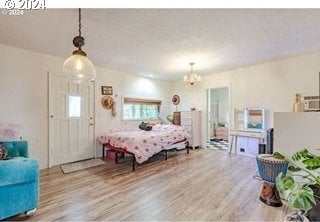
(141,109)
(74,104)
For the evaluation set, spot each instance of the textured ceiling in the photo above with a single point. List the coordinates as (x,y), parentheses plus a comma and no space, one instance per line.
(162,42)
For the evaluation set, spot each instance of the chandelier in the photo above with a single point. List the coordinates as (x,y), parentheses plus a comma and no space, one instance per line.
(78,67)
(191,78)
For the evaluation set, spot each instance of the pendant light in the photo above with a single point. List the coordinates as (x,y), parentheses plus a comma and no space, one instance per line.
(78,67)
(191,78)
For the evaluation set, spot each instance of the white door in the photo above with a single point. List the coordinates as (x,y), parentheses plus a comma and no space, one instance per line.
(71,123)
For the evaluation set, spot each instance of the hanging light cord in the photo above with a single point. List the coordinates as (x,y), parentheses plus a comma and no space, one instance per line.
(78,41)
(80,25)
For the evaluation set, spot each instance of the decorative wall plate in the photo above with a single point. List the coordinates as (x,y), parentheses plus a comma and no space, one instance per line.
(175,99)
(107,102)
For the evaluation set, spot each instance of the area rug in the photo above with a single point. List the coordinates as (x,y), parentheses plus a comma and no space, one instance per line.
(81,165)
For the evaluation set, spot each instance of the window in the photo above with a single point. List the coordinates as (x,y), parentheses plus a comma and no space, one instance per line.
(74,106)
(141,109)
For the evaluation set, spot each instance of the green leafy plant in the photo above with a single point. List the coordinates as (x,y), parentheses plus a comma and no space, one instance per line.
(298,187)
(278,155)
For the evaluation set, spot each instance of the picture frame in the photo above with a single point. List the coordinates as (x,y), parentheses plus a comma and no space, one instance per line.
(106,90)
(255,118)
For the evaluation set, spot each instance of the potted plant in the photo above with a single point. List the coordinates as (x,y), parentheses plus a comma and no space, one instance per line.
(301,188)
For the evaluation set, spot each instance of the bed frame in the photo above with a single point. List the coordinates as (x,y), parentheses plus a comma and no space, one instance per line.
(120,150)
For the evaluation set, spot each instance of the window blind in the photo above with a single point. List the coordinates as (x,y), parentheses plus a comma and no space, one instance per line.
(140,101)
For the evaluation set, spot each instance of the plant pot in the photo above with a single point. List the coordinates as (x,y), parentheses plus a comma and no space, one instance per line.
(296,216)
(314,213)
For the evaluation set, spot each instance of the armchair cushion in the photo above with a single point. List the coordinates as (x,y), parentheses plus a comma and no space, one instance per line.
(18,170)
(17,148)
(19,180)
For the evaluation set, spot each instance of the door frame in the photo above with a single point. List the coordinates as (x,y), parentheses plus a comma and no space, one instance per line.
(207,114)
(50,110)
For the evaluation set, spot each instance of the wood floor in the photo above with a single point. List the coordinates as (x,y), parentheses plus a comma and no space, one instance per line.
(204,185)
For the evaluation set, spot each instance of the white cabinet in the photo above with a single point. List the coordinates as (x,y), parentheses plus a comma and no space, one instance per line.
(294,131)
(246,142)
(248,146)
(191,121)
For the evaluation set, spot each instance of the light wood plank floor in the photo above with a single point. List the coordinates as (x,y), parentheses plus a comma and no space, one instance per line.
(204,185)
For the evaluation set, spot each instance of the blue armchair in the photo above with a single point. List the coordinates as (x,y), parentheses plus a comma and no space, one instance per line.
(19,181)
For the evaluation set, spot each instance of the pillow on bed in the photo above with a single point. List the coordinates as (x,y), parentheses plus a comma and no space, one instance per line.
(152,123)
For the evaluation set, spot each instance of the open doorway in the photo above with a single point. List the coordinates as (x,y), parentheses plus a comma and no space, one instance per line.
(218,118)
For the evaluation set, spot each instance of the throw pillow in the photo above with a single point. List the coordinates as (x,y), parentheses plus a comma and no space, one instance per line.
(143,126)
(3,152)
(148,128)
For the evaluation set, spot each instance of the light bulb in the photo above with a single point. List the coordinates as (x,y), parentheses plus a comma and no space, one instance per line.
(79,69)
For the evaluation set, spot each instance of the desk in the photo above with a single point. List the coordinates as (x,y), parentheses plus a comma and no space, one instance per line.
(260,135)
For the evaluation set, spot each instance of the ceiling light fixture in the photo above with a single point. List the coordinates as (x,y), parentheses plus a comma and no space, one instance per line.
(191,78)
(78,67)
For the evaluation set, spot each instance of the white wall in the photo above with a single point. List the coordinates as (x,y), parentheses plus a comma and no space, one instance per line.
(24,95)
(270,85)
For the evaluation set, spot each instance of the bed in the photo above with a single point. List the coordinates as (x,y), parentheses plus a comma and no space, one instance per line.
(143,144)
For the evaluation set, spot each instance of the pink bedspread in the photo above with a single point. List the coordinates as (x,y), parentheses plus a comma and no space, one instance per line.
(144,144)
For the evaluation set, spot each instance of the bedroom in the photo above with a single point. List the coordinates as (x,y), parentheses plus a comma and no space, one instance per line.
(267,57)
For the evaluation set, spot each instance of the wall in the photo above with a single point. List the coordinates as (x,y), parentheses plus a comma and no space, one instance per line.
(270,85)
(24,95)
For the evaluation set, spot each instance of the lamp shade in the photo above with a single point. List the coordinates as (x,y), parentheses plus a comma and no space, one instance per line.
(79,68)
